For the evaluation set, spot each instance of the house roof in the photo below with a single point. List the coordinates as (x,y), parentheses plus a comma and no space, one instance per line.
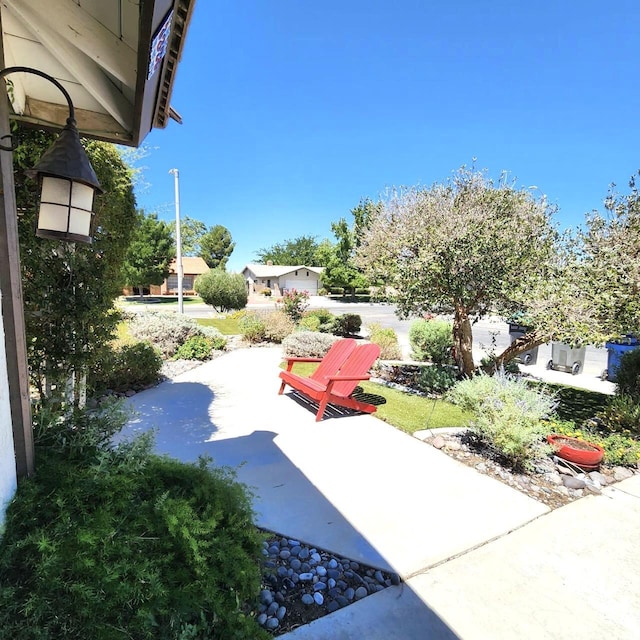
(190,266)
(116,58)
(277,270)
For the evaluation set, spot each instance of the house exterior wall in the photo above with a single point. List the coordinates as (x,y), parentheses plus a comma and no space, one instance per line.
(301,279)
(8,478)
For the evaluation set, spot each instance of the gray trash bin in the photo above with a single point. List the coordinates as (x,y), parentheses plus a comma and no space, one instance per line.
(566,358)
(527,357)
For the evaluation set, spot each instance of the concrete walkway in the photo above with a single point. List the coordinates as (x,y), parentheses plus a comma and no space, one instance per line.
(480,559)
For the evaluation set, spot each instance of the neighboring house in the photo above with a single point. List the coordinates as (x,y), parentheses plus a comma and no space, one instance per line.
(191,269)
(280,278)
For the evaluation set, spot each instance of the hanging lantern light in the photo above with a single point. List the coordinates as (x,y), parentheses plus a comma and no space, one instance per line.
(66,178)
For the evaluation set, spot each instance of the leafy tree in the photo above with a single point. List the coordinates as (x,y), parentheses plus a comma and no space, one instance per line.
(216,246)
(223,291)
(461,247)
(151,251)
(341,269)
(69,289)
(300,250)
(191,232)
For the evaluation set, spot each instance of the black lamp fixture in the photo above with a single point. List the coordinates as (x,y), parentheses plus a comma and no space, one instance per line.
(66,178)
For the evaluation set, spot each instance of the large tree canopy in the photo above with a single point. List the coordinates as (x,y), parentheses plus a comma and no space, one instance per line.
(150,252)
(69,289)
(300,250)
(191,232)
(461,247)
(341,269)
(216,246)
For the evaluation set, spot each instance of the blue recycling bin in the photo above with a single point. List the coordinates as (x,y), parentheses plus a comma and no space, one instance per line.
(615,350)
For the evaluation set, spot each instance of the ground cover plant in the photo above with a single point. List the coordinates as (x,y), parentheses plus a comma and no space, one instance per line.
(115,543)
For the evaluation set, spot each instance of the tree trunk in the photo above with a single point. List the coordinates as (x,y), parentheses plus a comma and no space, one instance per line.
(141,292)
(520,345)
(463,341)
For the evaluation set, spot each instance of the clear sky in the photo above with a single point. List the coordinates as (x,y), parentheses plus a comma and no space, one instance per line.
(295,110)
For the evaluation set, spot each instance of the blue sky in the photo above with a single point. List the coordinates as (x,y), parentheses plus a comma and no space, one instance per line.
(293,111)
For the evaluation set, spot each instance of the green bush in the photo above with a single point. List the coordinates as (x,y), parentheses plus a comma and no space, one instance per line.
(387,340)
(488,365)
(309,323)
(436,379)
(294,303)
(121,543)
(325,317)
(510,415)
(218,341)
(622,415)
(166,331)
(277,326)
(431,340)
(266,293)
(347,324)
(195,348)
(223,291)
(628,375)
(252,327)
(129,366)
(307,344)
(322,292)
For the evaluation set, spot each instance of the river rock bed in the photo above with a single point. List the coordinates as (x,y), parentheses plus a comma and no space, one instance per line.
(302,583)
(553,481)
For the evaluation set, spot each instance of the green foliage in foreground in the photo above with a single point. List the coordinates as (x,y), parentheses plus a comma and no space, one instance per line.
(121,544)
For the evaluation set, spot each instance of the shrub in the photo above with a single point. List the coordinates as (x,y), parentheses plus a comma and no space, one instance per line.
(347,324)
(129,544)
(166,331)
(628,375)
(387,340)
(253,327)
(322,292)
(309,323)
(277,326)
(266,293)
(218,341)
(294,303)
(325,317)
(223,291)
(307,344)
(622,415)
(195,348)
(129,366)
(509,415)
(436,379)
(488,365)
(431,340)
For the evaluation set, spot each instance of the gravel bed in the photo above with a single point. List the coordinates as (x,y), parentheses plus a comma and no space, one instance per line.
(302,583)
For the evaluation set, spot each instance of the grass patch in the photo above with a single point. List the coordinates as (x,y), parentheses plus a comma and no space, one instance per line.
(162,300)
(226,326)
(577,404)
(406,411)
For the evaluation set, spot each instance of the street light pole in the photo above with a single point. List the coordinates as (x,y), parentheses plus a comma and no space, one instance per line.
(178,240)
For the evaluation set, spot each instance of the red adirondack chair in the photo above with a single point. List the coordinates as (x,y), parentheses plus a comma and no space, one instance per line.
(338,387)
(329,365)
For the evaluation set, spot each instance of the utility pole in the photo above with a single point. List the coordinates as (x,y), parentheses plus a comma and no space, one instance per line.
(178,240)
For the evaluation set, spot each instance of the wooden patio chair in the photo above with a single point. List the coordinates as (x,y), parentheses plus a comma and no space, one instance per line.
(338,388)
(339,351)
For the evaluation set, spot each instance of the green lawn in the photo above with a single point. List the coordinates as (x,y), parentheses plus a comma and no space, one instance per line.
(406,411)
(226,326)
(159,300)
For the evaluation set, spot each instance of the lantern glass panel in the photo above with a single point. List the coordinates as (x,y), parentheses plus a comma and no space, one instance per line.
(53,217)
(82,196)
(80,222)
(55,190)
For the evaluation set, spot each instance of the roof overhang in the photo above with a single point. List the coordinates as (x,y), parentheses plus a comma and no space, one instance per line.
(116,58)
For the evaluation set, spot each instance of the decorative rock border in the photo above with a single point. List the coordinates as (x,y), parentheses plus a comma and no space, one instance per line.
(302,583)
